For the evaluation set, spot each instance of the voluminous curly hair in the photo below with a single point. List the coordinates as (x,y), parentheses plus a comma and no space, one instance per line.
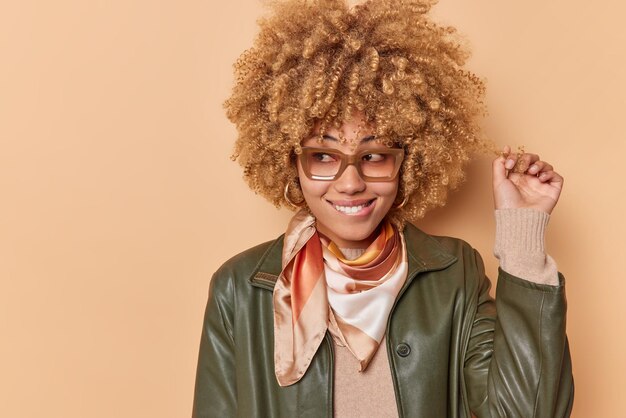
(316,62)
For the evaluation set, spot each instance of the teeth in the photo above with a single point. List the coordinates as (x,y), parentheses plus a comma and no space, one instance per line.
(350,209)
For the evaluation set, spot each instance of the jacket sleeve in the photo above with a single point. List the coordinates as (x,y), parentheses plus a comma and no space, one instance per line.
(517,361)
(215,391)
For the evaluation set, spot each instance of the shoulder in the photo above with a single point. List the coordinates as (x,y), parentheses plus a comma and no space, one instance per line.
(263,257)
(451,261)
(454,245)
(436,247)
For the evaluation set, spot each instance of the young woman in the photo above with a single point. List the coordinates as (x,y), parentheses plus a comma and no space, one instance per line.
(362,118)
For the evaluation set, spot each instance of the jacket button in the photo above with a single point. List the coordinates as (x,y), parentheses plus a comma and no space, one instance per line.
(403,350)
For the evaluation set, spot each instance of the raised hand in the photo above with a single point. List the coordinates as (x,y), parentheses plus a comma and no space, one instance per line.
(525,181)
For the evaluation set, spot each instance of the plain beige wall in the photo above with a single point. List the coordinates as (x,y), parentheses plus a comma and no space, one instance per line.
(119,200)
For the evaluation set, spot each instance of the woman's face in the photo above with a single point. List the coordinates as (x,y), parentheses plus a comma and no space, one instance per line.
(348,209)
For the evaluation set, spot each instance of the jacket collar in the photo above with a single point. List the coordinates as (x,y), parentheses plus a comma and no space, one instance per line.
(424,253)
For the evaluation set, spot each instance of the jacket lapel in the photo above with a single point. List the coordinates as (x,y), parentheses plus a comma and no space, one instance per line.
(269,266)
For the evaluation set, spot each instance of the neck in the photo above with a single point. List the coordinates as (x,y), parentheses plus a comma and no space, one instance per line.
(352,253)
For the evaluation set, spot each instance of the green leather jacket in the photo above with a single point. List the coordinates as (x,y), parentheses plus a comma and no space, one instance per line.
(450,354)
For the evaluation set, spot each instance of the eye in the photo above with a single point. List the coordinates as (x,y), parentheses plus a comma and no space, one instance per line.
(374,157)
(323,157)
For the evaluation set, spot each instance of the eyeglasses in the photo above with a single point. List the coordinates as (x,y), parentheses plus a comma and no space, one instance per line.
(372,165)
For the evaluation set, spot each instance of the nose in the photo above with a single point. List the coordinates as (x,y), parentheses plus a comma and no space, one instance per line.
(350,182)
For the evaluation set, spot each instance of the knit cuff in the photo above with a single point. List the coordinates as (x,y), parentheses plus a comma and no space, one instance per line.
(520,245)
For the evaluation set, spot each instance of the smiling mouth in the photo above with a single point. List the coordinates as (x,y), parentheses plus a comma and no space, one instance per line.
(352,208)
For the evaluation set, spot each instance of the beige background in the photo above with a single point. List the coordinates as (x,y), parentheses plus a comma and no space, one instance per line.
(119,200)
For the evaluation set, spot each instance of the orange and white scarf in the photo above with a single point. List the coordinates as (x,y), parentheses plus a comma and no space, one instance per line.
(318,286)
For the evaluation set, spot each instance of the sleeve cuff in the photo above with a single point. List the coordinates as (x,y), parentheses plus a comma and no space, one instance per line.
(520,245)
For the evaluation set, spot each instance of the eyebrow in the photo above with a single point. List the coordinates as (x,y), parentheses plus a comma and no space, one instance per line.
(366,139)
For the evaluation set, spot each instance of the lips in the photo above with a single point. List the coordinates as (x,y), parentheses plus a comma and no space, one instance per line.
(352,207)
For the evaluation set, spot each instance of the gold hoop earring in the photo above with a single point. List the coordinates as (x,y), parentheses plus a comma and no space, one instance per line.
(404,202)
(286,195)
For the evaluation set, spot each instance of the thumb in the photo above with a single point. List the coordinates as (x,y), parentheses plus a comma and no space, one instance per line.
(499,170)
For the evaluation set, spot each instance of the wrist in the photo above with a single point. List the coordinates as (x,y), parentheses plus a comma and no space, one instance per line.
(521,229)
(520,245)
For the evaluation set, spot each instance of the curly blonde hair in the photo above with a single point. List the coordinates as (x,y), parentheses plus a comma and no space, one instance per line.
(316,62)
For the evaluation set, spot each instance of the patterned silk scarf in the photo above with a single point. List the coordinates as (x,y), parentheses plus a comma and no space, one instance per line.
(318,286)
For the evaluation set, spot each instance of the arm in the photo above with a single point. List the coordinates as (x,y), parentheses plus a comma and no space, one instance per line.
(517,363)
(215,390)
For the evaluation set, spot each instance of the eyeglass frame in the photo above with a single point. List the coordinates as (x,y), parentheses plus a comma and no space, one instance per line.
(351,159)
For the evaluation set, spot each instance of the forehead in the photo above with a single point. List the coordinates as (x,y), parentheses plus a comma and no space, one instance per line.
(354,133)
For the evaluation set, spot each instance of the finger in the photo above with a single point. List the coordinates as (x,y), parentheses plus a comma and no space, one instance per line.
(546,176)
(511,159)
(498,166)
(551,177)
(525,161)
(557,180)
(539,166)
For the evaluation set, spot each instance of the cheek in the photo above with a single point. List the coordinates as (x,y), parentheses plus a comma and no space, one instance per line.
(310,188)
(387,189)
